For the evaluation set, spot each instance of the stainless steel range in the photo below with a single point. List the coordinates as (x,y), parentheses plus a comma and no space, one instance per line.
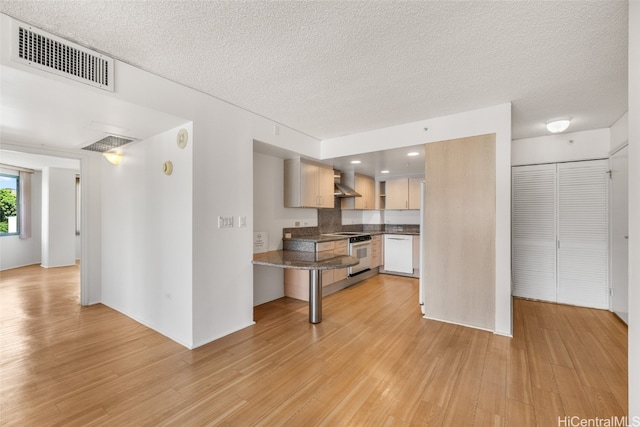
(359,247)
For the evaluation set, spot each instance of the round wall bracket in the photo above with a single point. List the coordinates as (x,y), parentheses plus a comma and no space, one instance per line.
(183,138)
(167,167)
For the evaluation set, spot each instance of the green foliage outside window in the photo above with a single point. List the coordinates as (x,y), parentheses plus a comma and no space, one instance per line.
(8,207)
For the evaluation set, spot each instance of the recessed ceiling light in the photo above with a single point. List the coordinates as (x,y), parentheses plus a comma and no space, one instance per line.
(413,153)
(385,171)
(355,162)
(558,125)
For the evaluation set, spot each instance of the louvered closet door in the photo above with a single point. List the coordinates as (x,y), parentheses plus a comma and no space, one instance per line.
(583,234)
(534,231)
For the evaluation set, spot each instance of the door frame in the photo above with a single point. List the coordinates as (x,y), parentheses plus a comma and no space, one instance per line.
(614,152)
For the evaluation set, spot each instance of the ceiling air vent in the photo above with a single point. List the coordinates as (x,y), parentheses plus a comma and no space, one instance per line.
(108,143)
(39,49)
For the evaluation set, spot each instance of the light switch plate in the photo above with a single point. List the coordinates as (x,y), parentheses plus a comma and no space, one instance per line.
(242,221)
(225,222)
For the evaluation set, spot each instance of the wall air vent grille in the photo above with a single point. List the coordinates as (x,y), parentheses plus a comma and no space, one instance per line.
(108,143)
(44,51)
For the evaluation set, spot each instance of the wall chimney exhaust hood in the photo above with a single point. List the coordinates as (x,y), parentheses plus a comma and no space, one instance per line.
(341,190)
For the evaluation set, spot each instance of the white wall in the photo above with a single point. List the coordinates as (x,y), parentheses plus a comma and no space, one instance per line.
(634,210)
(17,252)
(565,147)
(496,120)
(78,245)
(147,235)
(222,275)
(619,132)
(270,216)
(58,217)
(91,165)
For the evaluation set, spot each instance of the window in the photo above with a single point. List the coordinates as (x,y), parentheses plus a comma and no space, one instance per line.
(9,185)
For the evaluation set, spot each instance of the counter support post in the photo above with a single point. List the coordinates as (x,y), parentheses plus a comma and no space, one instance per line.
(315,296)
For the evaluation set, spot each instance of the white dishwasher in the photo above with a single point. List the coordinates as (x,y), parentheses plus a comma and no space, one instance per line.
(398,253)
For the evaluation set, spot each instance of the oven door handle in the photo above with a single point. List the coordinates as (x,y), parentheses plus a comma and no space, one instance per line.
(355,245)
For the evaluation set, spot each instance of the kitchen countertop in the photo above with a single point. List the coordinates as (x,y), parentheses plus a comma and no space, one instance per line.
(317,238)
(304,260)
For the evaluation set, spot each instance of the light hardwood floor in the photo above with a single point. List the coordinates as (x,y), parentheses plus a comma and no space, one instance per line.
(372,361)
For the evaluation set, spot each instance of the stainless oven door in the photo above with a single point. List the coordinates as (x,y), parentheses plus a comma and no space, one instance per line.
(362,251)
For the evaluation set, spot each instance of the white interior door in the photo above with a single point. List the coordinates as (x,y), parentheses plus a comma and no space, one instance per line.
(619,202)
(583,234)
(533,231)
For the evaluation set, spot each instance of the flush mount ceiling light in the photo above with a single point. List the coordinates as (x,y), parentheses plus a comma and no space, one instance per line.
(355,162)
(384,171)
(413,153)
(114,158)
(558,125)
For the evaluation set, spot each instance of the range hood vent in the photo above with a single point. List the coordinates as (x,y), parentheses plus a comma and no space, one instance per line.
(344,191)
(38,49)
(341,190)
(108,143)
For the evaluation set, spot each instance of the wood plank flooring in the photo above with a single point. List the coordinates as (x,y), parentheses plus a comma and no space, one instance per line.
(372,361)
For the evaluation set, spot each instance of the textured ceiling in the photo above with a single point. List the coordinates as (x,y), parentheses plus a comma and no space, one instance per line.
(336,68)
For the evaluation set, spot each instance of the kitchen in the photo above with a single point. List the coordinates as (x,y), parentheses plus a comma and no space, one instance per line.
(271,217)
(303,228)
(470,173)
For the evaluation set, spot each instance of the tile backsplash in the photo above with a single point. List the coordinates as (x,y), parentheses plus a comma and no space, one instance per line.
(333,220)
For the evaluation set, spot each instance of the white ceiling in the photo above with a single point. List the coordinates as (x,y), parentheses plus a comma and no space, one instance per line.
(336,68)
(37,161)
(40,111)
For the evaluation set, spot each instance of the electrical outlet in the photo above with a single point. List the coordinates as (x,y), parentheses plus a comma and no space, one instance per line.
(225,222)
(296,224)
